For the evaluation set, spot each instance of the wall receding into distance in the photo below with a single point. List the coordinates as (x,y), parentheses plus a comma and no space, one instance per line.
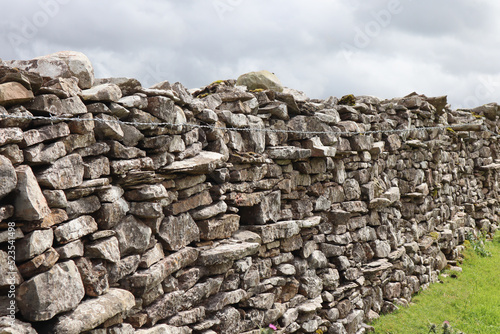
(234,206)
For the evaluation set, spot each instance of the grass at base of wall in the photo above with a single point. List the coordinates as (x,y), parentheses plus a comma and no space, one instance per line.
(470,302)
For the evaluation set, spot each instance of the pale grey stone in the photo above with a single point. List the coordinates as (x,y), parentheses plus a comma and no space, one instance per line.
(75,229)
(33,244)
(39,299)
(93,312)
(133,235)
(65,173)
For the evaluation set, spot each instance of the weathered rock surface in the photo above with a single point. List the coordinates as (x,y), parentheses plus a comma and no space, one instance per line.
(40,299)
(93,312)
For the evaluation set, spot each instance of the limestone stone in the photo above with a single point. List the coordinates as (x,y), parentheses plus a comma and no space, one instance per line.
(8,176)
(178,231)
(268,210)
(279,230)
(39,299)
(70,250)
(33,244)
(152,256)
(45,133)
(107,128)
(12,93)
(146,209)
(209,211)
(93,312)
(123,166)
(190,203)
(15,326)
(94,277)
(62,87)
(126,266)
(133,235)
(45,154)
(10,135)
(134,101)
(288,153)
(226,253)
(222,299)
(13,153)
(143,280)
(165,329)
(83,206)
(39,263)
(220,227)
(65,173)
(95,167)
(48,103)
(162,107)
(106,249)
(127,85)
(204,163)
(75,229)
(110,214)
(146,192)
(13,277)
(260,80)
(104,92)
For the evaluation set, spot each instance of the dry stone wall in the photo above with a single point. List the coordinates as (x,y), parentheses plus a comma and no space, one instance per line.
(246,206)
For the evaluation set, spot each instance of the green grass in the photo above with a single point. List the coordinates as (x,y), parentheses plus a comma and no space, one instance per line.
(470,302)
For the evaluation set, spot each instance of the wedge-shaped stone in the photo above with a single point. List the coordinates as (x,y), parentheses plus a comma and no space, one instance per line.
(219,227)
(107,128)
(104,92)
(93,312)
(146,192)
(280,230)
(75,229)
(288,153)
(209,211)
(178,231)
(133,235)
(44,154)
(48,103)
(8,176)
(204,163)
(65,173)
(226,253)
(106,249)
(33,244)
(48,132)
(39,264)
(222,299)
(10,135)
(190,203)
(39,299)
(143,280)
(14,93)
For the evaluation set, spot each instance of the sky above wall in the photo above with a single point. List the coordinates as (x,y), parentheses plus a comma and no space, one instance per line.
(385,48)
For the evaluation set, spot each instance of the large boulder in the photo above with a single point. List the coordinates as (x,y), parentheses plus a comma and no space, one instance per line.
(63,64)
(260,80)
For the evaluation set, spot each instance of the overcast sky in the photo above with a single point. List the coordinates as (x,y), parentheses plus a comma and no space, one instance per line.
(385,48)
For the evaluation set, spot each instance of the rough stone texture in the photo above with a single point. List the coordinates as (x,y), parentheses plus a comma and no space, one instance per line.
(260,80)
(40,299)
(75,229)
(33,244)
(93,312)
(178,231)
(8,176)
(14,93)
(65,173)
(133,235)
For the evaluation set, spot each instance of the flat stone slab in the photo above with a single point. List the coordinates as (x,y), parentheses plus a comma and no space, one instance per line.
(288,153)
(376,266)
(227,253)
(205,162)
(280,230)
(93,312)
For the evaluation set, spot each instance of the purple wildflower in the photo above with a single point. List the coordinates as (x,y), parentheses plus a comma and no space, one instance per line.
(273,327)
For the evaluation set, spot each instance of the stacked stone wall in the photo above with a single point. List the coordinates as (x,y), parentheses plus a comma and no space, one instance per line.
(126,209)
